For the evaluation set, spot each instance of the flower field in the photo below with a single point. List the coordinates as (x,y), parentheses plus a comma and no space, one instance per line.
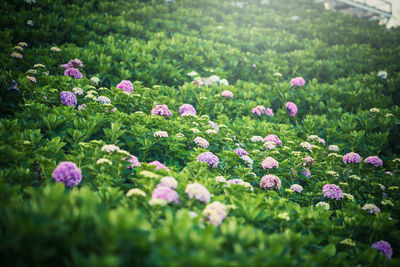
(197,133)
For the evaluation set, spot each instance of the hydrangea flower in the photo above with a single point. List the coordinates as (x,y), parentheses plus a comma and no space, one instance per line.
(292,108)
(104,100)
(215,212)
(67,173)
(239,182)
(169,181)
(220,179)
(332,191)
(16,55)
(74,73)
(95,80)
(55,49)
(158,165)
(81,107)
(165,193)
(103,161)
(209,158)
(161,110)
(240,152)
(308,160)
(269,163)
(259,110)
(296,188)
(163,134)
(384,247)
(136,192)
(198,191)
(187,109)
(374,160)
(256,138)
(269,145)
(214,125)
(31,79)
(307,173)
(273,138)
(333,148)
(227,94)
(68,98)
(77,91)
(351,158)
(14,86)
(75,63)
(270,181)
(298,81)
(371,208)
(200,141)
(323,205)
(126,85)
(306,145)
(134,161)
(269,112)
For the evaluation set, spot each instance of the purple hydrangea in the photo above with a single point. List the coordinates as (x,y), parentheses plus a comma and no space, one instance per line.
(161,110)
(298,81)
(75,63)
(104,100)
(134,162)
(198,191)
(241,152)
(165,193)
(214,125)
(208,158)
(68,98)
(332,191)
(351,158)
(187,109)
(385,247)
(158,165)
(270,181)
(72,72)
(126,85)
(307,173)
(67,173)
(374,160)
(292,108)
(273,138)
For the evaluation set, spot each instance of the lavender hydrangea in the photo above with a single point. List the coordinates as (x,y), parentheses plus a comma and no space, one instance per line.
(200,141)
(161,110)
(187,109)
(332,191)
(296,188)
(104,100)
(198,191)
(351,158)
(241,152)
(214,125)
(169,181)
(14,86)
(371,208)
(75,63)
(292,108)
(165,193)
(67,173)
(298,81)
(209,158)
(269,163)
(74,73)
(68,98)
(384,247)
(134,161)
(270,181)
(374,160)
(306,173)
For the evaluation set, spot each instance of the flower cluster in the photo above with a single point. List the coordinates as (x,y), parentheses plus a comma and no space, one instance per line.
(187,109)
(259,110)
(134,162)
(161,110)
(67,173)
(292,108)
(351,158)
(298,81)
(241,152)
(273,138)
(161,134)
(385,247)
(227,94)
(165,193)
(209,158)
(269,163)
(374,160)
(270,181)
(125,85)
(198,191)
(200,141)
(296,188)
(332,191)
(239,182)
(68,98)
(215,212)
(168,181)
(158,165)
(371,208)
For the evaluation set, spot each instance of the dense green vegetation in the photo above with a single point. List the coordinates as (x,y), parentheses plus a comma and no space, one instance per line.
(258,48)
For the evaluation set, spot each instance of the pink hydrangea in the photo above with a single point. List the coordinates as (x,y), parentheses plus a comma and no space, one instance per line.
(298,81)
(126,85)
(227,94)
(374,160)
(292,108)
(269,112)
(67,173)
(273,138)
(200,141)
(165,193)
(187,109)
(169,181)
(259,110)
(134,162)
(308,160)
(332,191)
(198,191)
(269,163)
(351,158)
(161,110)
(270,181)
(158,165)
